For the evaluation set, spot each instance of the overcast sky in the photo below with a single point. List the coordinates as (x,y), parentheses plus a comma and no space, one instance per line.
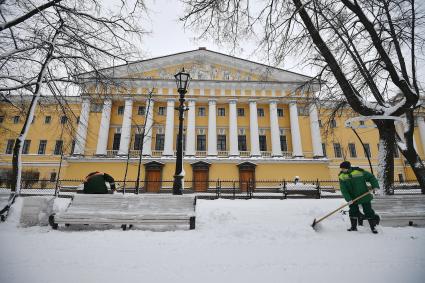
(168,36)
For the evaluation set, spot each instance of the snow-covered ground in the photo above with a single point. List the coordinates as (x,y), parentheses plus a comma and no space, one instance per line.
(234,241)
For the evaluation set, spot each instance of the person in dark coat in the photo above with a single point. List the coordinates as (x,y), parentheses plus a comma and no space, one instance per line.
(352,181)
(95,183)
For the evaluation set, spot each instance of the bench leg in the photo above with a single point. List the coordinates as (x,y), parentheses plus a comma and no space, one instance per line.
(192,223)
(52,222)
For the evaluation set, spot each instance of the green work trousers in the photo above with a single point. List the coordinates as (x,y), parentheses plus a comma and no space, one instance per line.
(354,211)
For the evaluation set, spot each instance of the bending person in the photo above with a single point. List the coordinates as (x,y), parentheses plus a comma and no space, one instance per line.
(95,183)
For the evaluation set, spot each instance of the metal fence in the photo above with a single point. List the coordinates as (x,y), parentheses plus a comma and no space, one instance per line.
(213,189)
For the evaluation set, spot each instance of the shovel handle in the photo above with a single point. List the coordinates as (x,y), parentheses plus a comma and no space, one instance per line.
(342,206)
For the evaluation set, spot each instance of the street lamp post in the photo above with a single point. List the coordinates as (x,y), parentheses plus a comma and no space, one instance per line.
(182,80)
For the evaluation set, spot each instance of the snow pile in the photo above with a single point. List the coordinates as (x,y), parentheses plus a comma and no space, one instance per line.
(234,241)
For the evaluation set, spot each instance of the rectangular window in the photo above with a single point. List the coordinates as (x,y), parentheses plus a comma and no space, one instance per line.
(396,153)
(263,143)
(58,147)
(400,178)
(202,111)
(260,112)
(241,112)
(116,142)
(283,144)
(1,119)
(324,149)
(242,143)
(201,142)
(120,110)
(221,112)
(53,177)
(221,142)
(9,146)
(33,120)
(47,119)
(137,141)
(320,123)
(337,150)
(42,147)
(352,149)
(333,123)
(26,147)
(367,150)
(64,119)
(15,119)
(159,142)
(280,112)
(161,111)
(141,110)
(72,146)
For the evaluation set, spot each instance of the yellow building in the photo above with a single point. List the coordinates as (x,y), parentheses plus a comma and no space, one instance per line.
(244,121)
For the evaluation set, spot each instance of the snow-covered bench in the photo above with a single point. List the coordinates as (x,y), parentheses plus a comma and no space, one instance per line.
(400,210)
(146,211)
(298,189)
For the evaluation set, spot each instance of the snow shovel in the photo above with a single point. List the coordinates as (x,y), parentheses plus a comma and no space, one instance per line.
(338,209)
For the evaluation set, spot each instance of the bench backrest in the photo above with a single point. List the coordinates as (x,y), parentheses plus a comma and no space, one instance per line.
(143,203)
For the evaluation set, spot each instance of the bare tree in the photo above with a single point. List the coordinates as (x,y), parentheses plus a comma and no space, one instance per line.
(46,46)
(366,51)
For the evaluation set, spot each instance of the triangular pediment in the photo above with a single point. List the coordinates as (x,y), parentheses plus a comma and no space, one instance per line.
(204,65)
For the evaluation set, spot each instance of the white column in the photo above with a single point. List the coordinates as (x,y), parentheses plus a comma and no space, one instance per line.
(147,143)
(212,127)
(316,138)
(80,139)
(126,127)
(102,139)
(233,128)
(169,129)
(421,126)
(295,130)
(190,132)
(274,129)
(253,128)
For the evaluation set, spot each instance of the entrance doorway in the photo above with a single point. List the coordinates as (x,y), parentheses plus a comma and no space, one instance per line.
(201,172)
(246,175)
(153,177)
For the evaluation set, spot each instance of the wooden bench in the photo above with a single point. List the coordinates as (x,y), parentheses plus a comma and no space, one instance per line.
(301,190)
(400,210)
(147,211)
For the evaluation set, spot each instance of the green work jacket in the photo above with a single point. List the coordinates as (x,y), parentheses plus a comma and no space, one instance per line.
(95,184)
(353,184)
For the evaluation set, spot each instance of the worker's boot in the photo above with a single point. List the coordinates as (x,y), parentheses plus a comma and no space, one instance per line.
(372,223)
(353,224)
(360,219)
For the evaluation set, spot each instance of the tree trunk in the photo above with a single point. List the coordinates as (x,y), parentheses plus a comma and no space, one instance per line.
(385,172)
(409,151)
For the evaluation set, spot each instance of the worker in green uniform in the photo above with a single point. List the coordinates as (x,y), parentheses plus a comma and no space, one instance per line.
(95,183)
(352,181)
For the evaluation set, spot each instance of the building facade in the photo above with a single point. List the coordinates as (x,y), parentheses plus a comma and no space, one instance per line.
(244,121)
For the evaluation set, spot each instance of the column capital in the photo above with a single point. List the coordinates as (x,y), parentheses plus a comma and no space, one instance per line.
(232,100)
(212,101)
(126,98)
(273,101)
(253,101)
(191,99)
(171,100)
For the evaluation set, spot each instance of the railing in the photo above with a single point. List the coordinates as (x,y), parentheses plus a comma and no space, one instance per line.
(201,154)
(223,153)
(212,189)
(245,154)
(156,153)
(266,154)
